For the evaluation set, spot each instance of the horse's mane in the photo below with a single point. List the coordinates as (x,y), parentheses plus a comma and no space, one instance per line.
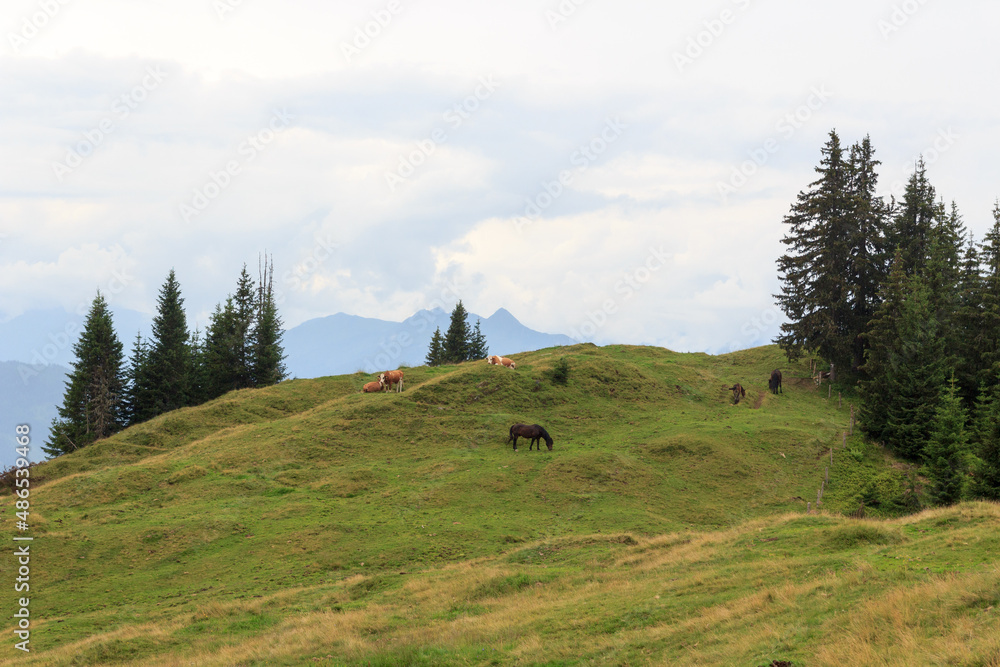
(545,434)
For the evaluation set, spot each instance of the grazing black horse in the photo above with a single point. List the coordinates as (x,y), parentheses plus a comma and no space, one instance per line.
(774,384)
(738,392)
(535,432)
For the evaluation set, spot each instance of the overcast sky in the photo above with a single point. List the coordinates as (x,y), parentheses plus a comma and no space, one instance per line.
(614,171)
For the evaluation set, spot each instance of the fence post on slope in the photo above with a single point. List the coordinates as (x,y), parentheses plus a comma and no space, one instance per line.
(827,481)
(809,508)
(852,420)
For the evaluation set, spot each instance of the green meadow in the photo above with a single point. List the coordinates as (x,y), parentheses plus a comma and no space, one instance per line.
(307,523)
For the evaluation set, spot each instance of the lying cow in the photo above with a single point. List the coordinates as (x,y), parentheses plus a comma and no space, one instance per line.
(390,378)
(371,387)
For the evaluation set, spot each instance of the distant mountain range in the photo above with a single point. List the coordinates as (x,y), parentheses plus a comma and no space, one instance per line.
(36,350)
(342,343)
(29,395)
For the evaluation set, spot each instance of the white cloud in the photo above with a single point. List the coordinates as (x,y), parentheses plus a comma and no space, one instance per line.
(322,181)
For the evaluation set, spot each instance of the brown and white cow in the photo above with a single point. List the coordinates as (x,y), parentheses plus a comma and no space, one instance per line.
(508,363)
(390,378)
(371,387)
(493,360)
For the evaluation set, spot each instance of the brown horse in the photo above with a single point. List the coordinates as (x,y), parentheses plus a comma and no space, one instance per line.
(774,384)
(738,392)
(534,432)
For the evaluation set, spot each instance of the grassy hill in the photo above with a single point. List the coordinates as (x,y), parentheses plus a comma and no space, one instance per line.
(310,524)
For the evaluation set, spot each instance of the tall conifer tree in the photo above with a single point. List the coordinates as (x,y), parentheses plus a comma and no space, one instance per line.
(169,364)
(477,344)
(946,448)
(867,250)
(880,369)
(911,227)
(456,341)
(835,258)
(268,356)
(918,374)
(93,404)
(138,402)
(435,354)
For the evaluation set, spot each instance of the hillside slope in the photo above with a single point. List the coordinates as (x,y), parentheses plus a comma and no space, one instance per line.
(211,534)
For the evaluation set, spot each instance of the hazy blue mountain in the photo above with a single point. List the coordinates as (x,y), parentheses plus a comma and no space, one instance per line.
(29,395)
(36,349)
(347,343)
(47,336)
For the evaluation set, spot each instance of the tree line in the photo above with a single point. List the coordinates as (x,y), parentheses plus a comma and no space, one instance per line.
(460,343)
(175,368)
(901,298)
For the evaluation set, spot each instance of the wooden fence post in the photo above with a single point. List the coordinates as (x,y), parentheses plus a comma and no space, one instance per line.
(827,481)
(844,443)
(809,508)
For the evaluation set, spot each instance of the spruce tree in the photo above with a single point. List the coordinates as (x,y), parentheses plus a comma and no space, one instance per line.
(199,379)
(986,477)
(918,374)
(222,351)
(945,451)
(966,322)
(477,344)
(835,258)
(911,227)
(877,385)
(456,341)
(138,404)
(988,328)
(867,250)
(169,365)
(93,404)
(435,354)
(268,356)
(244,314)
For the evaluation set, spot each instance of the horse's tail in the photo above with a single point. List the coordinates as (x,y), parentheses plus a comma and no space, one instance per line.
(511,436)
